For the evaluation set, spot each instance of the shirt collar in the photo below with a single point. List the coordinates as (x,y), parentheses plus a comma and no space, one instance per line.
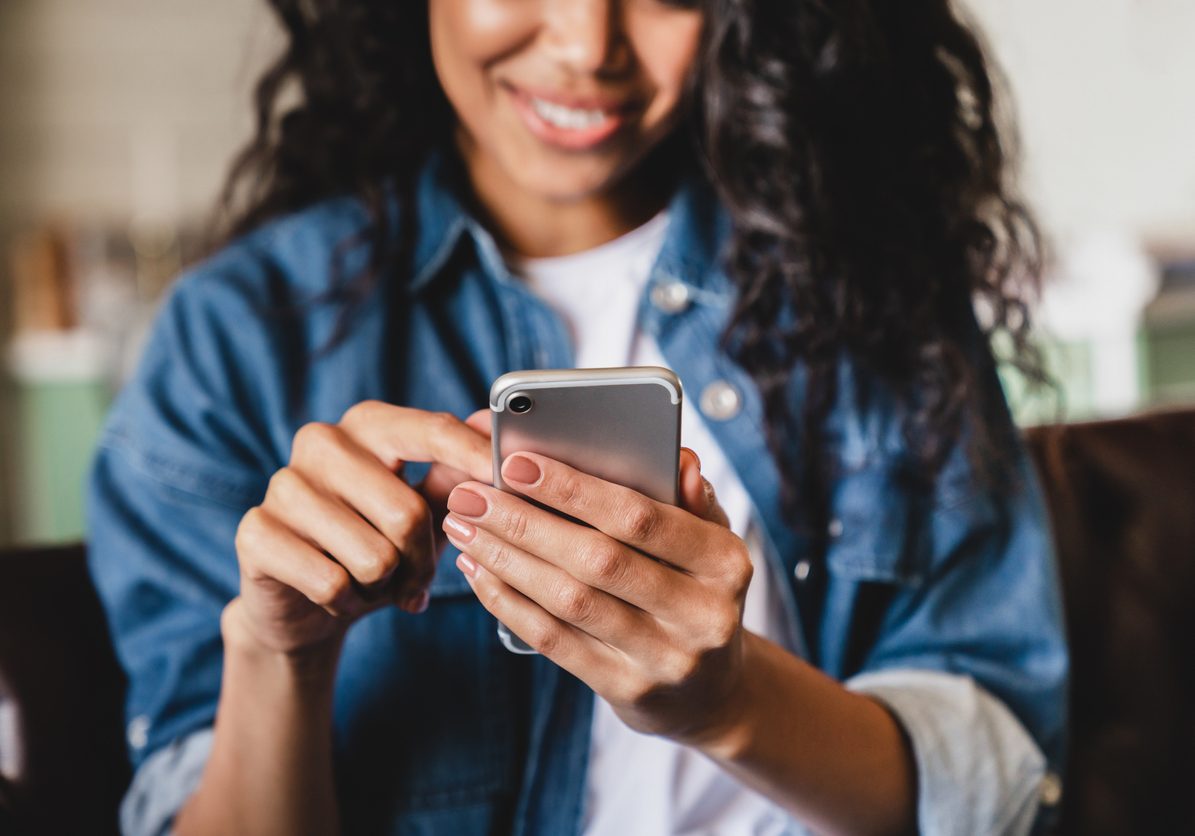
(698,229)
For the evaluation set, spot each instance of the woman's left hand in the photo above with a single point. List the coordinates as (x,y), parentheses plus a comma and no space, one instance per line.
(645,607)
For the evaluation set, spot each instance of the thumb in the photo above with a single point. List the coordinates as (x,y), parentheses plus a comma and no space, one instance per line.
(696,493)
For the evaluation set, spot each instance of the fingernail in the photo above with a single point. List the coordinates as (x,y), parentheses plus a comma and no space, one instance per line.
(521,469)
(463,531)
(467,503)
(420,604)
(466,565)
(416,602)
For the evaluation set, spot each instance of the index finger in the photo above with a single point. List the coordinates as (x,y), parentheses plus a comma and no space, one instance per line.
(655,528)
(397,434)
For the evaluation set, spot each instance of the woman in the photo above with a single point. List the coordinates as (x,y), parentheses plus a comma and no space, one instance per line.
(851,624)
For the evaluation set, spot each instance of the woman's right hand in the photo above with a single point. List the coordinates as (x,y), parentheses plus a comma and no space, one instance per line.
(340,534)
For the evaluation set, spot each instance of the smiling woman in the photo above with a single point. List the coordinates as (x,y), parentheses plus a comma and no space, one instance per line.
(559,104)
(792,206)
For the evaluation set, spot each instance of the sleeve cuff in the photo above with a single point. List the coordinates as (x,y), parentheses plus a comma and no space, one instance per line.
(978,770)
(163,783)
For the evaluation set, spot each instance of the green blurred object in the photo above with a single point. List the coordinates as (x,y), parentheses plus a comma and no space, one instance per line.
(57,424)
(1168,362)
(1070,395)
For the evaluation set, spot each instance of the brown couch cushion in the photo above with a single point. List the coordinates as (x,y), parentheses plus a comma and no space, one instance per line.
(58,671)
(1121,496)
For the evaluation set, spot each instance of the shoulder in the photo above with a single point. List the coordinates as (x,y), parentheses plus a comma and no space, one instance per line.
(233,338)
(290,256)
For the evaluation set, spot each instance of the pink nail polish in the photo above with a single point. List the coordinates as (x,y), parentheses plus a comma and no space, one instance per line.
(467,503)
(521,469)
(466,565)
(459,528)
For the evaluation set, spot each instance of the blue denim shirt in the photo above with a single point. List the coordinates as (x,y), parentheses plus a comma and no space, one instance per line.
(943,604)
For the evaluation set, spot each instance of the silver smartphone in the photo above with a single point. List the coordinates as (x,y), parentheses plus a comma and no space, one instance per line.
(621,425)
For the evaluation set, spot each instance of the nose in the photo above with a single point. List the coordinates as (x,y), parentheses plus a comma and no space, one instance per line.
(586,36)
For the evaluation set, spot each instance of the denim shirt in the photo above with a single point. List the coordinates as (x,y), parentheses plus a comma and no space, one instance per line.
(942,602)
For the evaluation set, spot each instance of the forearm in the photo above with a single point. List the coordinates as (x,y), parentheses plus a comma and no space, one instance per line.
(270,769)
(837,760)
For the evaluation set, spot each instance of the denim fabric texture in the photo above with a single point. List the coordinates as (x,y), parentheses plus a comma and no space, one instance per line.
(438,729)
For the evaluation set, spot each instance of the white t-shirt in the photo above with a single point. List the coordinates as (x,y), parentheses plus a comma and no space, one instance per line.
(642,785)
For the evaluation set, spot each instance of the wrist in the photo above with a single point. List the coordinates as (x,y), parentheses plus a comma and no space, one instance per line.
(729,733)
(315,662)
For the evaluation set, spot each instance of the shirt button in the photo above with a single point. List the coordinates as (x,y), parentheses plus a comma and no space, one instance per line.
(138,732)
(720,401)
(670,296)
(834,529)
(801,570)
(1050,789)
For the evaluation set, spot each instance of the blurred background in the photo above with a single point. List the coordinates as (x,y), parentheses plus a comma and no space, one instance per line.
(118,119)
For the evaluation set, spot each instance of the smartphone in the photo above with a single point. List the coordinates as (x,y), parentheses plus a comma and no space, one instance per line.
(621,425)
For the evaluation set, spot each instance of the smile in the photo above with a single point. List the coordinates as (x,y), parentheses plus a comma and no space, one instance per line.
(570,124)
(567,117)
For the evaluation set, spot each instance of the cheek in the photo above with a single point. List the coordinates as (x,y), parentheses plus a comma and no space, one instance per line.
(667,50)
(467,37)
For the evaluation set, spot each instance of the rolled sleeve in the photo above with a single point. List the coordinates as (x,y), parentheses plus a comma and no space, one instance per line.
(163,783)
(978,769)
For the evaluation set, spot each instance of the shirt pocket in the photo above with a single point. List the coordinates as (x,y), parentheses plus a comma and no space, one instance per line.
(873,527)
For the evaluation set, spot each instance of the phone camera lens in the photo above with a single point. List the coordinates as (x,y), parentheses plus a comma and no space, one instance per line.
(520,404)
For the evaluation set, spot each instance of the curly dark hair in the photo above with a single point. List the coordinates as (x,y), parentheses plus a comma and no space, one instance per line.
(855,144)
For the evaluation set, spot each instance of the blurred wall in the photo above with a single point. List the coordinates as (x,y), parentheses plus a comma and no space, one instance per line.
(110,111)
(116,106)
(1105,91)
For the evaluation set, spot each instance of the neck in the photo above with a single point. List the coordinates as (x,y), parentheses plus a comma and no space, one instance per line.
(533,226)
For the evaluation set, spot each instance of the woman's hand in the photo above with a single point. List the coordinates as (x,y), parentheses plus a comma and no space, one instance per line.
(340,533)
(645,607)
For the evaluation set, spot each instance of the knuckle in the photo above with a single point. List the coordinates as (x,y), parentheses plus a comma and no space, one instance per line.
(501,559)
(741,570)
(679,670)
(401,519)
(249,533)
(250,522)
(513,523)
(330,586)
(722,628)
(315,435)
(640,521)
(377,562)
(567,490)
(493,600)
(575,603)
(443,421)
(284,485)
(545,637)
(603,562)
(361,412)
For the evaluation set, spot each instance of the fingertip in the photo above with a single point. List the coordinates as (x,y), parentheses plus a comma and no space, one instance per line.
(693,489)
(480,421)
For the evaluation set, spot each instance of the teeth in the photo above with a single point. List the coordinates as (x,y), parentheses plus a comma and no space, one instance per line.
(567,117)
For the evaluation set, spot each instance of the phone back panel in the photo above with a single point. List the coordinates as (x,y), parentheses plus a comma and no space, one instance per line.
(621,425)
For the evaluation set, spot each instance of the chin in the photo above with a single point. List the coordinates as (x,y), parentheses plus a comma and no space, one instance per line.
(565,183)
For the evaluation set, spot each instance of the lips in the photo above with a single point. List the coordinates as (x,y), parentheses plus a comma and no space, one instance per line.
(572,123)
